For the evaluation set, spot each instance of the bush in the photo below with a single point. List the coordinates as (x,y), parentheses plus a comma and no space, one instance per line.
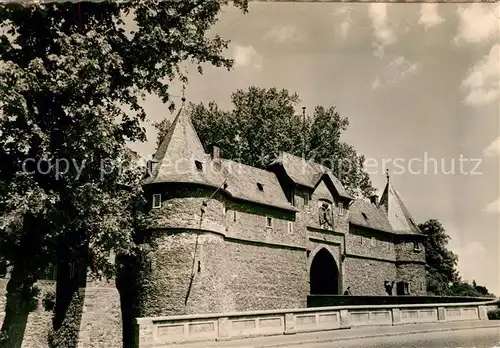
(494,314)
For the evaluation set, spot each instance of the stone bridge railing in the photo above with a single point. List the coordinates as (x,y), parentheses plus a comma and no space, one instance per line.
(159,331)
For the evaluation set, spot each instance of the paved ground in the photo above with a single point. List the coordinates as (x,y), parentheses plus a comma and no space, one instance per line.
(471,338)
(466,334)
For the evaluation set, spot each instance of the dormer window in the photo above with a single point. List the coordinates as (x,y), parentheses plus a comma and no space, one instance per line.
(269,222)
(260,187)
(157,201)
(341,208)
(199,166)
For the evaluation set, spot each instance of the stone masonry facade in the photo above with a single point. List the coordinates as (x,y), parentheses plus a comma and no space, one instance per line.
(229,237)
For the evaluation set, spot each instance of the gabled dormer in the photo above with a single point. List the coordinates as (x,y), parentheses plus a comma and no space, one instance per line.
(300,179)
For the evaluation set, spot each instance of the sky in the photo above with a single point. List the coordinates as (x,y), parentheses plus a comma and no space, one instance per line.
(419,83)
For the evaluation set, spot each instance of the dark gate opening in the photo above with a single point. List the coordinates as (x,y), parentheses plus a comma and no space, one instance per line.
(324,274)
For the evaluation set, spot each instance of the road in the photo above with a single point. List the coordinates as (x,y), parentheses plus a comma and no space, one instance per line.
(473,338)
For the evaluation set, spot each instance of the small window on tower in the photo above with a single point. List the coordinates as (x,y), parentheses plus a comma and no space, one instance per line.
(306,199)
(260,187)
(199,165)
(157,200)
(416,246)
(373,241)
(234,216)
(341,208)
(269,222)
(290,227)
(364,216)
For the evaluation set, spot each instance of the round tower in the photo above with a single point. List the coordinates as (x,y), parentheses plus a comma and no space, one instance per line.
(182,269)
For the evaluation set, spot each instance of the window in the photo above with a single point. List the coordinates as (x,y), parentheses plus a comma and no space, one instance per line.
(373,241)
(157,200)
(306,199)
(364,216)
(341,209)
(361,239)
(260,187)
(199,165)
(234,216)
(290,227)
(389,245)
(269,222)
(416,246)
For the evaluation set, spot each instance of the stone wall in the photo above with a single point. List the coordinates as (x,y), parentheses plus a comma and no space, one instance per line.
(414,274)
(183,275)
(259,277)
(366,277)
(39,321)
(405,250)
(101,322)
(368,243)
(248,222)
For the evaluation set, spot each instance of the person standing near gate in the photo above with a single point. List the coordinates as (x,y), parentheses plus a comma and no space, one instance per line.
(347,292)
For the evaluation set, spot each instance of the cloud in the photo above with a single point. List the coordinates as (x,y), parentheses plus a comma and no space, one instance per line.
(478,23)
(483,81)
(287,33)
(493,207)
(247,57)
(429,16)
(395,71)
(493,149)
(384,36)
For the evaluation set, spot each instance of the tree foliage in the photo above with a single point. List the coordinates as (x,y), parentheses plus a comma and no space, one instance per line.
(264,122)
(443,278)
(68,71)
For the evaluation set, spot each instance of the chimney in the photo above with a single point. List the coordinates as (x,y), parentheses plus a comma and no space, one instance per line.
(216,157)
(374,199)
(215,154)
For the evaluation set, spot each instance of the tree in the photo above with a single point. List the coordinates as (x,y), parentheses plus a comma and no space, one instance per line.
(67,70)
(443,278)
(441,263)
(263,122)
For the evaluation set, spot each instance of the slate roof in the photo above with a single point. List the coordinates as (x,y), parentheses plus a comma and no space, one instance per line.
(308,173)
(176,163)
(398,215)
(375,216)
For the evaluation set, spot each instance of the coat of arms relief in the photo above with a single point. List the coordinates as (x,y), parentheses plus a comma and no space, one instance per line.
(325,215)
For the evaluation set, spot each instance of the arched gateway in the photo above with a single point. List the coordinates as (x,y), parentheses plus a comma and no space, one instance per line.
(324,274)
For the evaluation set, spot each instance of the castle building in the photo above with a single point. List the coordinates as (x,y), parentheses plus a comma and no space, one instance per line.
(230,237)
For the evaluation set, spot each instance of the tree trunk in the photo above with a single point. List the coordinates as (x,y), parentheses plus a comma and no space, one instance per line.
(18,306)
(126,286)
